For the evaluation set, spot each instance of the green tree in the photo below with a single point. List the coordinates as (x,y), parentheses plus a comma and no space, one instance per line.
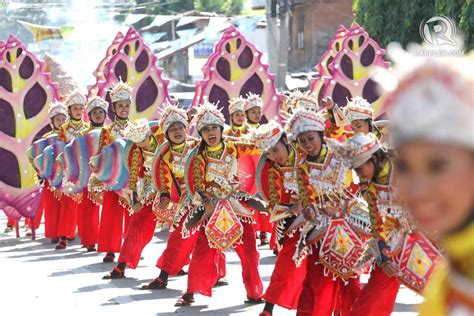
(227,7)
(388,21)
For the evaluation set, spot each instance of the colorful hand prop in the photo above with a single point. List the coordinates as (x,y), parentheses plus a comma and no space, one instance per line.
(48,166)
(76,156)
(135,63)
(235,69)
(38,146)
(25,92)
(345,70)
(110,163)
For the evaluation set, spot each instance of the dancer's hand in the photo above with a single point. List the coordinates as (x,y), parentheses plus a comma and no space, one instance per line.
(389,268)
(209,204)
(296,208)
(327,103)
(164,203)
(309,213)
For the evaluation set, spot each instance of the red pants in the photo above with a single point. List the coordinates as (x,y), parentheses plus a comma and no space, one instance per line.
(377,298)
(322,295)
(139,233)
(88,221)
(178,251)
(287,280)
(51,206)
(113,222)
(262,222)
(206,264)
(67,217)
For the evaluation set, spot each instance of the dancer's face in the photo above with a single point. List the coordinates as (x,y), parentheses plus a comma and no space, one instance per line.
(238,118)
(177,133)
(366,171)
(436,183)
(310,142)
(211,134)
(97,116)
(122,108)
(76,111)
(360,126)
(279,153)
(254,115)
(58,120)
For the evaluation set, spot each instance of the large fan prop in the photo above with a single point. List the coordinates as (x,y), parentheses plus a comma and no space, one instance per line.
(25,92)
(346,69)
(132,61)
(235,69)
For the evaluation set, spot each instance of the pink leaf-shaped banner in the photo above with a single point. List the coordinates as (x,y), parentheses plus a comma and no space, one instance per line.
(25,92)
(235,69)
(346,70)
(99,72)
(135,63)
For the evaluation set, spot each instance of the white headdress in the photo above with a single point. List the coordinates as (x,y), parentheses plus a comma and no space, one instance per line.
(121,91)
(207,114)
(307,101)
(303,120)
(97,102)
(172,114)
(357,150)
(76,97)
(358,109)
(253,101)
(434,101)
(56,108)
(137,131)
(236,104)
(267,135)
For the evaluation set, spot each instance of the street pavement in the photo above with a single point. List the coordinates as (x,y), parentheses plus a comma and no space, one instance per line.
(38,280)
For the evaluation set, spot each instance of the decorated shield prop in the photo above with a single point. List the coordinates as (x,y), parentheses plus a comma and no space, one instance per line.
(346,70)
(134,63)
(235,69)
(417,261)
(224,228)
(166,215)
(25,92)
(340,249)
(110,166)
(77,155)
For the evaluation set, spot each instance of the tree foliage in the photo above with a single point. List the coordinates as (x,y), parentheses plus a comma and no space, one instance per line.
(388,21)
(227,7)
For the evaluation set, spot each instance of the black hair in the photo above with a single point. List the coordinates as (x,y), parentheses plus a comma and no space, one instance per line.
(379,158)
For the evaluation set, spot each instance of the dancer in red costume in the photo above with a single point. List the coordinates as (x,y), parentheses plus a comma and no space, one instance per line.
(50,202)
(252,106)
(88,211)
(279,188)
(143,142)
(172,202)
(324,184)
(214,185)
(67,223)
(114,216)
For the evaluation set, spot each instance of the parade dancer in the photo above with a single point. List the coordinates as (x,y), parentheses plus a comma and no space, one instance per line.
(114,215)
(278,185)
(139,155)
(172,202)
(324,186)
(435,164)
(51,197)
(223,216)
(88,211)
(238,121)
(67,223)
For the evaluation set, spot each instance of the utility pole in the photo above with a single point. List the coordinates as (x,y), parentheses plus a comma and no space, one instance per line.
(278,39)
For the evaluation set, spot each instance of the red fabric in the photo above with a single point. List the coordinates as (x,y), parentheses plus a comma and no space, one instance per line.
(273,241)
(207,264)
(38,217)
(377,298)
(11,221)
(88,222)
(348,294)
(113,223)
(67,217)
(262,222)
(286,282)
(51,207)
(139,233)
(178,251)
